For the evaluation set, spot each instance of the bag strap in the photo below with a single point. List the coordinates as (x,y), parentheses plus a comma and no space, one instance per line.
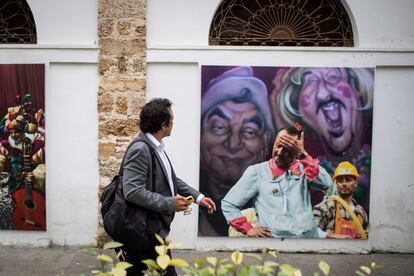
(154,168)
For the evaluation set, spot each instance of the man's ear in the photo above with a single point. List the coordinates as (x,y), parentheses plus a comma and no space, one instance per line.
(164,125)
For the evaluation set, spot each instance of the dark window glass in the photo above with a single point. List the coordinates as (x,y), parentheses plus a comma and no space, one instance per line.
(17,24)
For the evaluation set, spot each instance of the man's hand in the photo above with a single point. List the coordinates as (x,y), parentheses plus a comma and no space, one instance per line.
(258,232)
(293,144)
(28,177)
(180,203)
(209,204)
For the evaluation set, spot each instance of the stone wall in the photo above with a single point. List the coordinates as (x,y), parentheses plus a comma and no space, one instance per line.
(122,44)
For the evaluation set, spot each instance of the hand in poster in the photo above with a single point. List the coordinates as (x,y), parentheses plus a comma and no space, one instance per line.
(258,232)
(209,204)
(293,144)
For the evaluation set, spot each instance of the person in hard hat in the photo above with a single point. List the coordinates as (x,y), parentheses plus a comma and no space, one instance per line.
(331,217)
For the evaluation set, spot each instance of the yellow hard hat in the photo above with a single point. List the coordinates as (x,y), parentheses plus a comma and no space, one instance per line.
(345,168)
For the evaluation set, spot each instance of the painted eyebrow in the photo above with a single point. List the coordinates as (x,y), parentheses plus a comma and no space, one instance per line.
(217,111)
(255,120)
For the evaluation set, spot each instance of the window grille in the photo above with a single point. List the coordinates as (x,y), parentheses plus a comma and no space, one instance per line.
(317,23)
(17,24)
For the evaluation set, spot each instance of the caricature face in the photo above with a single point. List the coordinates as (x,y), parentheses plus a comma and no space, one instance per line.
(329,105)
(231,139)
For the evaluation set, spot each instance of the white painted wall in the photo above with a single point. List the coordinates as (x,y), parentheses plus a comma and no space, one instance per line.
(66,35)
(61,22)
(186,23)
(177,45)
(72,176)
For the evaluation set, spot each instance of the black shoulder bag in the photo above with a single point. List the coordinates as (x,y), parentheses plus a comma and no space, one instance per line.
(132,225)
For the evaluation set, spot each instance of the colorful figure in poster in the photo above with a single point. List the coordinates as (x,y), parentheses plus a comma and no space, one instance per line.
(279,191)
(335,105)
(236,131)
(342,217)
(22,166)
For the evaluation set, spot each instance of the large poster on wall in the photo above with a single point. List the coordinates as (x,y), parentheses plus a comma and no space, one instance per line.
(22,147)
(286,151)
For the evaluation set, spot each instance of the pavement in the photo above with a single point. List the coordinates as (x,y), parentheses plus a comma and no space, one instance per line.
(66,261)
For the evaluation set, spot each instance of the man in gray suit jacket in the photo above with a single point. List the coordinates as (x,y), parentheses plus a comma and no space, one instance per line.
(156,122)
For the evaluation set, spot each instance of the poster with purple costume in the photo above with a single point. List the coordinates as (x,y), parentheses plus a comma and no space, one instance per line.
(243,107)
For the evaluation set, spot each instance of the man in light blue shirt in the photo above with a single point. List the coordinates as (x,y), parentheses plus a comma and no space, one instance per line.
(279,191)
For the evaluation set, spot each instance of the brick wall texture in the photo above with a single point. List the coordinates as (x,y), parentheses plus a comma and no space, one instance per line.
(122,81)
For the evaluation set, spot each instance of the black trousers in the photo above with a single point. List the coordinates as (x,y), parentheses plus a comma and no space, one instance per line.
(138,267)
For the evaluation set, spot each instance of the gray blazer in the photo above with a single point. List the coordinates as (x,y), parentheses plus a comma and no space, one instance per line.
(137,173)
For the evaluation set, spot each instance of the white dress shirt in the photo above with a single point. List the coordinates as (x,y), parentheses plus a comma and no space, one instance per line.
(160,148)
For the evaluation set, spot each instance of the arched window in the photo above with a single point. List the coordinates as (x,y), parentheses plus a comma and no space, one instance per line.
(17,24)
(281,23)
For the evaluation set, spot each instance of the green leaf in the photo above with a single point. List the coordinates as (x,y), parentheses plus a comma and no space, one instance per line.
(366,269)
(105,258)
(200,263)
(316,274)
(237,257)
(173,245)
(118,271)
(324,267)
(163,261)
(287,269)
(90,251)
(95,271)
(270,263)
(359,273)
(179,262)
(160,239)
(222,271)
(212,261)
(151,264)
(230,267)
(206,272)
(222,261)
(190,270)
(123,265)
(254,256)
(112,245)
(161,250)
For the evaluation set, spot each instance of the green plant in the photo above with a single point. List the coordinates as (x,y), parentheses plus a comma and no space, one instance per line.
(265,264)
(109,265)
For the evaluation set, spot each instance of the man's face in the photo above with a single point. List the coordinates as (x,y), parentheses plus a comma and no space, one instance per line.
(231,139)
(346,185)
(168,128)
(329,105)
(282,156)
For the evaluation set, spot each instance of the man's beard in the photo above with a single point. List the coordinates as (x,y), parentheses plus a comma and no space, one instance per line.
(345,194)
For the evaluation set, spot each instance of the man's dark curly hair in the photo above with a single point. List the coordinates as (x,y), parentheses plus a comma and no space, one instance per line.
(154,114)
